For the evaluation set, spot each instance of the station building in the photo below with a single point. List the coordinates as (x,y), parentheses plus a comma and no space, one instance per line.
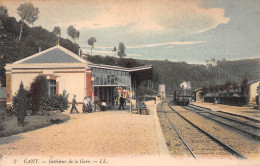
(68,71)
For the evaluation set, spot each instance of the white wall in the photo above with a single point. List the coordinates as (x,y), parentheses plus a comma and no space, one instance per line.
(16,80)
(253,91)
(73,83)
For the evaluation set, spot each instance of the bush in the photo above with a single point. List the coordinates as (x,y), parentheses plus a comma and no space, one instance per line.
(63,101)
(39,92)
(21,104)
(58,102)
(2,118)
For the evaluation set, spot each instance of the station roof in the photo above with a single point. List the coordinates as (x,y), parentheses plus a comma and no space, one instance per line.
(59,55)
(199,89)
(139,73)
(253,81)
(56,54)
(110,67)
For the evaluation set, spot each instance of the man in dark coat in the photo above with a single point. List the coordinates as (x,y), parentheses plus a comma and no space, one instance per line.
(122,101)
(74,103)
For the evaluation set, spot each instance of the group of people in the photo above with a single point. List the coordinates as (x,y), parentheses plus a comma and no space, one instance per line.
(86,106)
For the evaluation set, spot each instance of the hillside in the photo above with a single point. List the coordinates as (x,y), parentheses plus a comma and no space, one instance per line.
(32,38)
(174,73)
(170,73)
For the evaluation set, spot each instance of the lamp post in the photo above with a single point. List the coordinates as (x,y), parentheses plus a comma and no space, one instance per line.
(258,91)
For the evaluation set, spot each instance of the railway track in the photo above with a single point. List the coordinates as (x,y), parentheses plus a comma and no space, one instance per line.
(242,124)
(199,142)
(236,116)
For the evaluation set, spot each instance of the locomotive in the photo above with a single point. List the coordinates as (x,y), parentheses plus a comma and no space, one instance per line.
(183,95)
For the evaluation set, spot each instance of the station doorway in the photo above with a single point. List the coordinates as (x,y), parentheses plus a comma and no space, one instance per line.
(111,95)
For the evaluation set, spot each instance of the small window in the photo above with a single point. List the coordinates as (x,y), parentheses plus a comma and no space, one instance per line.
(51,87)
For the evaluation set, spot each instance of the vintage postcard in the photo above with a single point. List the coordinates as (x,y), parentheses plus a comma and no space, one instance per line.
(129,82)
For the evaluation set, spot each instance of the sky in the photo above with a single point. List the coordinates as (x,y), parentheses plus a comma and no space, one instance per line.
(178,30)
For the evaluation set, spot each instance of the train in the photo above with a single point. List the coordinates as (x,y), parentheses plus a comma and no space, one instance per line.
(182,97)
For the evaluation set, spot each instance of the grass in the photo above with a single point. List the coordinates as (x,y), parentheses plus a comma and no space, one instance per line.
(10,125)
(31,123)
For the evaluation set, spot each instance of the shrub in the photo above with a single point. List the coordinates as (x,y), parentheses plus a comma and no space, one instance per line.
(63,101)
(2,118)
(57,102)
(39,91)
(21,104)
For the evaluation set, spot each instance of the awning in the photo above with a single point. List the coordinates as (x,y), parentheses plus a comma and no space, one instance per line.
(142,74)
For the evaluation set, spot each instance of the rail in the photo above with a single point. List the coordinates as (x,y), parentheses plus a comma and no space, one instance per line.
(257,137)
(230,149)
(178,133)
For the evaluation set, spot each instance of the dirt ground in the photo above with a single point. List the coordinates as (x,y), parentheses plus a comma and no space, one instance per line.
(108,133)
(118,137)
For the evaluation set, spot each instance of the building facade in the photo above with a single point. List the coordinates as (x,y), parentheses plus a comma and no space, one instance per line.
(67,71)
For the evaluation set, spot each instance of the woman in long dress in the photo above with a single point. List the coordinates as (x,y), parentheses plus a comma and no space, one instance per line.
(84,105)
(89,105)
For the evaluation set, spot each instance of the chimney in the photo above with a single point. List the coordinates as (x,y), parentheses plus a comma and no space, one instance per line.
(40,49)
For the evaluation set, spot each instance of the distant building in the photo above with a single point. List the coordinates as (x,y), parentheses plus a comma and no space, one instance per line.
(236,96)
(252,91)
(161,90)
(198,93)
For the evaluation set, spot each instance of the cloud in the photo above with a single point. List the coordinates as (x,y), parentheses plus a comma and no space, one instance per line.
(168,43)
(108,52)
(149,45)
(98,51)
(153,16)
(98,47)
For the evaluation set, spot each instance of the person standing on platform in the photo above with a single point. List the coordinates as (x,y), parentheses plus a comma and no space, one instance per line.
(116,98)
(84,105)
(122,101)
(89,105)
(142,106)
(74,103)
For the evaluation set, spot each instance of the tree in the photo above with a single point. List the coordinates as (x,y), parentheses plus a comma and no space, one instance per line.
(3,11)
(244,84)
(21,104)
(73,33)
(114,50)
(121,48)
(2,34)
(28,13)
(91,42)
(227,85)
(235,85)
(39,91)
(57,32)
